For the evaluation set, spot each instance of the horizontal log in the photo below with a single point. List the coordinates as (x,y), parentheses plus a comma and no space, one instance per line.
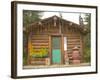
(40,41)
(40,38)
(72,34)
(40,44)
(73,43)
(73,40)
(37,62)
(38,59)
(70,46)
(39,35)
(39,47)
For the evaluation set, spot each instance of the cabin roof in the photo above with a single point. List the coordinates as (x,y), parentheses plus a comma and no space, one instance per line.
(47,20)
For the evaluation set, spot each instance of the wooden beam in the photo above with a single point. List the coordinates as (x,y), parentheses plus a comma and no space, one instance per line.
(62,49)
(50,54)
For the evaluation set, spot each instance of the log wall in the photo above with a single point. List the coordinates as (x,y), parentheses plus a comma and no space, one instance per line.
(40,41)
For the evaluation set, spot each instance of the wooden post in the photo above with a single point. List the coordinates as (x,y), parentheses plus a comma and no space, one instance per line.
(50,55)
(62,49)
(29,48)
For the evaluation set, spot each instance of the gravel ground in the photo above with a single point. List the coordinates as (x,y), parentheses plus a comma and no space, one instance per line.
(55,66)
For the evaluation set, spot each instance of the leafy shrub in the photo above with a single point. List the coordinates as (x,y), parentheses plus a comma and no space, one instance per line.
(41,53)
(24,57)
(87,55)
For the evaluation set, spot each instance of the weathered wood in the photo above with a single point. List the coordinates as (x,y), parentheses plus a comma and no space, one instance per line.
(38,35)
(73,43)
(42,34)
(37,61)
(40,41)
(62,49)
(50,54)
(39,47)
(40,38)
(40,44)
(74,40)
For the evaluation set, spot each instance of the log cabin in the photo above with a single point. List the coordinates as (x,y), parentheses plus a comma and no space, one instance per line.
(58,36)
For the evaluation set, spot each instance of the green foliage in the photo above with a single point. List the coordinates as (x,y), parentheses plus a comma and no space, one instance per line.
(87,55)
(30,16)
(87,39)
(41,53)
(24,57)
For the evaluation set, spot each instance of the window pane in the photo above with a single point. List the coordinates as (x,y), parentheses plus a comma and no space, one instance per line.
(55,42)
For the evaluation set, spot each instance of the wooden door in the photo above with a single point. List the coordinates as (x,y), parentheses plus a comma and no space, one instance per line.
(56,49)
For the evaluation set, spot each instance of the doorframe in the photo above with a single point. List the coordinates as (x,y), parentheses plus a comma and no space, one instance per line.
(62,47)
